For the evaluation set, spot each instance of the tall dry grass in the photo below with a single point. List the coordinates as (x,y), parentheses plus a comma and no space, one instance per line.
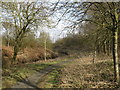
(82,73)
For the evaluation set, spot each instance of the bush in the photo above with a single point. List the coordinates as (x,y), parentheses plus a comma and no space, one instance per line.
(26,55)
(6,57)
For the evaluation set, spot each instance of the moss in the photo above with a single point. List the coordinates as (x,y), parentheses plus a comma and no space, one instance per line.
(53,79)
(37,66)
(16,74)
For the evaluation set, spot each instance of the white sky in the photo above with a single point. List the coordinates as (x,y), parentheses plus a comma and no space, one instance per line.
(55,33)
(63,0)
(58,32)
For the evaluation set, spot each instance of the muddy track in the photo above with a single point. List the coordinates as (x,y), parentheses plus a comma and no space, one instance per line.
(33,80)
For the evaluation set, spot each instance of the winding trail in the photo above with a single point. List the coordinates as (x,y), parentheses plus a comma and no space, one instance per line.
(33,80)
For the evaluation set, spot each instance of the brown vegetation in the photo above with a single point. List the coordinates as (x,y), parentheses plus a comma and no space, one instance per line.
(82,73)
(24,56)
(6,56)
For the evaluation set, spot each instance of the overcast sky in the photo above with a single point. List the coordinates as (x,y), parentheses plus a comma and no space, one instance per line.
(63,0)
(58,31)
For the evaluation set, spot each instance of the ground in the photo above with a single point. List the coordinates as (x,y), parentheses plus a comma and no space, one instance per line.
(63,73)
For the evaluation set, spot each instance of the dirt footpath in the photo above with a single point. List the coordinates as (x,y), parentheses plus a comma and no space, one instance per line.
(36,78)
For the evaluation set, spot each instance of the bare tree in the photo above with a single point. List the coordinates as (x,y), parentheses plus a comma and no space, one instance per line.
(25,16)
(104,14)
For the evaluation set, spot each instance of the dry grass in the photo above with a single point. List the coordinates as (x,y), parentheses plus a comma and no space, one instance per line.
(82,73)
(24,56)
(34,54)
(7,53)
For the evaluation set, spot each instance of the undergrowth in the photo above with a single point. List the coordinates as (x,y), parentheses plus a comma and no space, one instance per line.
(82,73)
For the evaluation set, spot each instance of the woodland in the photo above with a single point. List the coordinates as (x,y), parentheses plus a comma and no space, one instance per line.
(88,56)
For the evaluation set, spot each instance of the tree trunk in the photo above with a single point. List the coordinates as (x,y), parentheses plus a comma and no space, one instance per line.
(8,42)
(115,55)
(95,47)
(45,53)
(94,56)
(14,55)
(16,50)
